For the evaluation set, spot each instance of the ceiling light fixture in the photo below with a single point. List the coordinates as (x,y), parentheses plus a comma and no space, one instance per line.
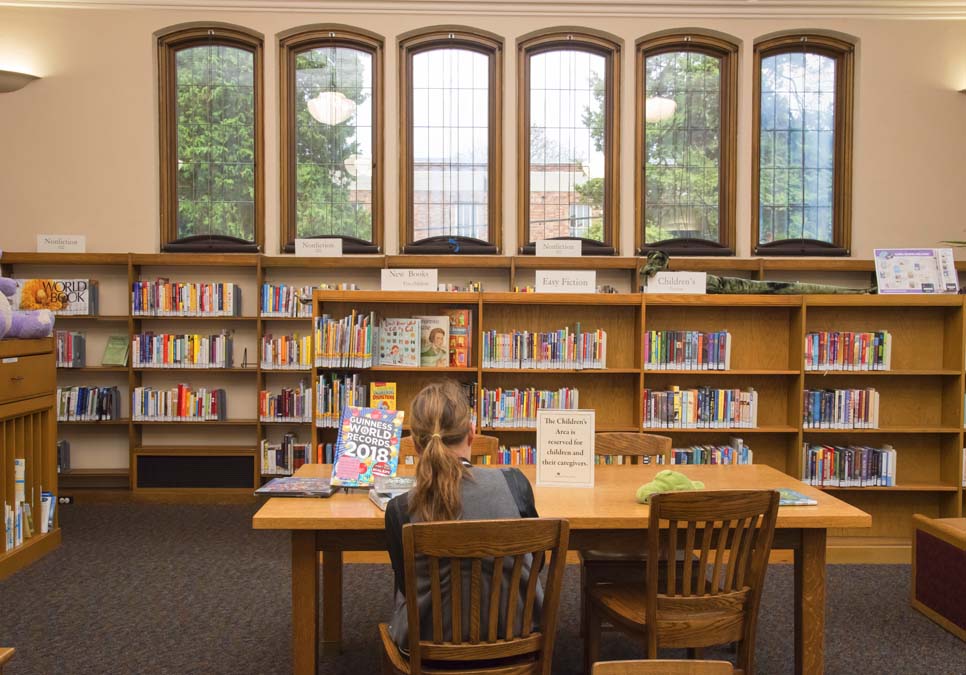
(11,81)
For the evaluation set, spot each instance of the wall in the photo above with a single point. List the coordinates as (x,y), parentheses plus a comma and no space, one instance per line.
(78,149)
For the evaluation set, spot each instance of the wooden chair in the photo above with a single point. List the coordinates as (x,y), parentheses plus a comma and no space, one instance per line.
(609,566)
(6,653)
(483,550)
(731,532)
(483,446)
(663,667)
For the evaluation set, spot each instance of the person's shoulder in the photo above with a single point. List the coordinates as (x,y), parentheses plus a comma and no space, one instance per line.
(398,509)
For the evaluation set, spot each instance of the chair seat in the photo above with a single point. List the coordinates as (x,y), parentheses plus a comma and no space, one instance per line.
(400,662)
(595,556)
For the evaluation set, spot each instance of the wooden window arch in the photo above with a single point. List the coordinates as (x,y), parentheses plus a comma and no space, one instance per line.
(703,152)
(560,197)
(802,193)
(450,191)
(211,138)
(331,170)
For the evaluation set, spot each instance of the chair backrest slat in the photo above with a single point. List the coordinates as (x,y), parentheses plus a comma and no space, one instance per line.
(706,536)
(688,559)
(633,446)
(740,528)
(719,555)
(485,627)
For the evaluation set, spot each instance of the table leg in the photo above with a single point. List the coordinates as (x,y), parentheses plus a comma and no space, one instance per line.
(305,603)
(331,602)
(810,603)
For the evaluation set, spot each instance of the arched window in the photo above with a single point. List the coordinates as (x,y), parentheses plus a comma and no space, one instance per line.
(212,183)
(802,154)
(331,136)
(687,127)
(568,108)
(450,96)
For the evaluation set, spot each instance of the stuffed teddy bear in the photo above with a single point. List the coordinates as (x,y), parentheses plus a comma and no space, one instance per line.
(667,481)
(22,324)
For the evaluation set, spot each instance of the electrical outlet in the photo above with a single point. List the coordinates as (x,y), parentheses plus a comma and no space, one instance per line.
(65,499)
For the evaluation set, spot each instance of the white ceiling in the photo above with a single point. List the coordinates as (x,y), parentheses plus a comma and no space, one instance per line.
(898,9)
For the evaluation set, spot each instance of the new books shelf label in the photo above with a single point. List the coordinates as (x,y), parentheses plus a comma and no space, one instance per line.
(566,281)
(409,279)
(565,448)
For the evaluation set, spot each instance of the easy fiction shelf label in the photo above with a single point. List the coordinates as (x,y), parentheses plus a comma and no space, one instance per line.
(566,281)
(565,448)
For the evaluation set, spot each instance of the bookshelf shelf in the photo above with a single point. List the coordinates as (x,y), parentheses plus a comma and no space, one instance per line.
(565,371)
(88,317)
(731,430)
(121,422)
(532,430)
(200,423)
(888,431)
(648,372)
(95,369)
(151,317)
(941,372)
(175,369)
(901,487)
(305,319)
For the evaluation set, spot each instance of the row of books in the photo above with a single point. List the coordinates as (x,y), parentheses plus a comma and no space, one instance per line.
(848,350)
(700,408)
(63,297)
(88,404)
(347,342)
(281,459)
(736,452)
(334,392)
(286,352)
(180,298)
(287,405)
(71,349)
(166,350)
(849,466)
(840,409)
(687,350)
(285,300)
(178,404)
(502,408)
(18,518)
(561,349)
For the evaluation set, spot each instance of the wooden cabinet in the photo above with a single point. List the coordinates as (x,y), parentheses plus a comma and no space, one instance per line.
(27,432)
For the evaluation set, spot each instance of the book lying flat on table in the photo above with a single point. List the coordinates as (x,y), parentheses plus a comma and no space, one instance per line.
(296,486)
(385,488)
(789,497)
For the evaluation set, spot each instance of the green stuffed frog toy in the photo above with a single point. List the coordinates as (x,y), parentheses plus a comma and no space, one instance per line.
(667,481)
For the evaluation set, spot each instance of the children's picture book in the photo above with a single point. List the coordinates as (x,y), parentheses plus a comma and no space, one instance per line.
(382,395)
(60,296)
(296,486)
(434,341)
(399,342)
(116,350)
(789,497)
(460,336)
(368,445)
(385,489)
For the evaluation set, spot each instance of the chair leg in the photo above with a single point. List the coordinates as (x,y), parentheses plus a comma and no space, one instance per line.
(746,657)
(591,638)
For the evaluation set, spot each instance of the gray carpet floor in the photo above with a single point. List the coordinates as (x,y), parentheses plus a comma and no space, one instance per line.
(150,588)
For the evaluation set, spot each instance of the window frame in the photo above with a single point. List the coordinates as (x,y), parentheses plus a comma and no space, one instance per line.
(491,46)
(725,49)
(595,42)
(170,41)
(843,51)
(290,44)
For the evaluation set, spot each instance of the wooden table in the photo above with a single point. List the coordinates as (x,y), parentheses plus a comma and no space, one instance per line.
(606,517)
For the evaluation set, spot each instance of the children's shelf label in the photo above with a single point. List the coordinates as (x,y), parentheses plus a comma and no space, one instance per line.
(61,243)
(678,282)
(559,248)
(565,448)
(409,279)
(319,248)
(566,281)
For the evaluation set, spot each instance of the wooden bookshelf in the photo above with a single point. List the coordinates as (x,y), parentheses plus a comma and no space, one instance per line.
(27,432)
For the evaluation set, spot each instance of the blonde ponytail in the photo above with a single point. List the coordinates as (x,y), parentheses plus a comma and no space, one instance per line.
(440,418)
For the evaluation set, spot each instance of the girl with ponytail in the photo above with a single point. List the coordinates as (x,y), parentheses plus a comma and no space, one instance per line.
(448,487)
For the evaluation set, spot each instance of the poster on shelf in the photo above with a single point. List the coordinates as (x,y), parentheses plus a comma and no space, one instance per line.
(565,448)
(915,270)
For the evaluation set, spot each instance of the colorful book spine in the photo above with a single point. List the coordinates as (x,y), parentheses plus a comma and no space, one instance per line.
(687,350)
(700,408)
(88,404)
(164,350)
(287,405)
(736,452)
(516,454)
(286,352)
(164,298)
(282,300)
(516,408)
(334,393)
(71,349)
(848,350)
(347,342)
(178,404)
(282,459)
(849,466)
(564,349)
(840,409)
